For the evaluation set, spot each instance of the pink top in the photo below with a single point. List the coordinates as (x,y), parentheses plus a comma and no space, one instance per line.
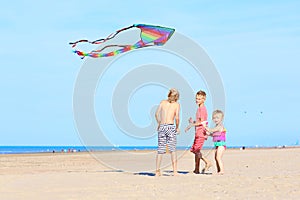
(201,115)
(219,136)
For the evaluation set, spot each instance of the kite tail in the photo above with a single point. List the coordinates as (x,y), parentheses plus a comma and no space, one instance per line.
(99,41)
(111,36)
(97,54)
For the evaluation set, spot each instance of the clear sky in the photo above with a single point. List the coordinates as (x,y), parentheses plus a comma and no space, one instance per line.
(254,45)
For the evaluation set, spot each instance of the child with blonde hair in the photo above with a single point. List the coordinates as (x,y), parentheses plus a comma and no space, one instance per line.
(166,113)
(219,138)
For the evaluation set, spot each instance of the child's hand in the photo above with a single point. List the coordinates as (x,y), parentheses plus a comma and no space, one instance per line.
(190,120)
(178,131)
(204,123)
(207,131)
(187,128)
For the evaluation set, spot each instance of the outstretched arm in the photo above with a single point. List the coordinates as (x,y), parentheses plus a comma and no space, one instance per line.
(195,123)
(213,130)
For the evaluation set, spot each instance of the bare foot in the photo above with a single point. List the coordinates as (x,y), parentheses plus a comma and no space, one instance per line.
(196,172)
(220,173)
(175,174)
(206,168)
(157,173)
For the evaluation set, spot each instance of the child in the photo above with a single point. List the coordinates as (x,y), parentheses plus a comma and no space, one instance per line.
(219,137)
(167,111)
(200,132)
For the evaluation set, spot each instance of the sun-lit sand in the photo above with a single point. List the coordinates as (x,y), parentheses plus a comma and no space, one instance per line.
(250,174)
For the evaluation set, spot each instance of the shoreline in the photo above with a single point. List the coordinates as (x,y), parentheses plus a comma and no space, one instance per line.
(132,149)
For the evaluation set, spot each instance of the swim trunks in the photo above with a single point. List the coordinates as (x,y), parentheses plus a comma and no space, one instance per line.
(198,144)
(166,136)
(200,132)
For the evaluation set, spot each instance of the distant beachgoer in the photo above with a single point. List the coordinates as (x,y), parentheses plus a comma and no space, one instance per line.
(219,137)
(166,113)
(200,133)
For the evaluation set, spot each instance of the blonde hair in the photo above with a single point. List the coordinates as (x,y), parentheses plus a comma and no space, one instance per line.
(173,95)
(218,112)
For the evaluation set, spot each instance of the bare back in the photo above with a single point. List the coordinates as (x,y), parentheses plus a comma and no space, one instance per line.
(167,112)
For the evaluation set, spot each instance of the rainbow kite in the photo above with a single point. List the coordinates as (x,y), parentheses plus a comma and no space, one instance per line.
(150,36)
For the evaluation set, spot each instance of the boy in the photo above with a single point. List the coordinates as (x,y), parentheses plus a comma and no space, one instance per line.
(167,111)
(200,132)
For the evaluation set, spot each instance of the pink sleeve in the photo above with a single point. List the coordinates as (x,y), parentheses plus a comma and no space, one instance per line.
(202,113)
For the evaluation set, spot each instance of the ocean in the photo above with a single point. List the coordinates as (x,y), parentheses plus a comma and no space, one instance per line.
(69,149)
(66,149)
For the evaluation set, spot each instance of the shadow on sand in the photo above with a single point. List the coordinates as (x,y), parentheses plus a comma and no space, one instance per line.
(164,173)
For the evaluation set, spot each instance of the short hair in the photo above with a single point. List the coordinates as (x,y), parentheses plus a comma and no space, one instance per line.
(173,95)
(202,93)
(218,112)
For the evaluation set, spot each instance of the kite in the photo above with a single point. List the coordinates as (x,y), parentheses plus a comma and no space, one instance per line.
(150,36)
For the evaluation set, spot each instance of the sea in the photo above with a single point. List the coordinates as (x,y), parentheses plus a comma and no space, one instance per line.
(72,149)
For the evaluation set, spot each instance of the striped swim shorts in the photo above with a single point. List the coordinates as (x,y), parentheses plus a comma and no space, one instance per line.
(166,136)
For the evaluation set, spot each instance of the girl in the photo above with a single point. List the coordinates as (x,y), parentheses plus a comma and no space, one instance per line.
(219,137)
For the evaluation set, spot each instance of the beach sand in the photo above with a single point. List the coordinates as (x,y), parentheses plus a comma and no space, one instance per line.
(249,174)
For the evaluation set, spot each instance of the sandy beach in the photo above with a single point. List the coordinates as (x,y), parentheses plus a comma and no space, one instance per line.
(250,174)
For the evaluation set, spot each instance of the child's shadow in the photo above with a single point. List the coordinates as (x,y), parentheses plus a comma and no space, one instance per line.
(144,174)
(179,172)
(165,173)
(206,173)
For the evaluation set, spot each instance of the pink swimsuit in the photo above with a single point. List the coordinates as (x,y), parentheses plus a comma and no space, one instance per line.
(219,138)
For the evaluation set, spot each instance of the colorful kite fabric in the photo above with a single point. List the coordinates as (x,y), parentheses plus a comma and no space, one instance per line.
(150,36)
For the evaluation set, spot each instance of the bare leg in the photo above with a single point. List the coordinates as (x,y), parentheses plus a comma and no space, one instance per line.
(217,163)
(158,162)
(197,163)
(207,164)
(219,155)
(174,162)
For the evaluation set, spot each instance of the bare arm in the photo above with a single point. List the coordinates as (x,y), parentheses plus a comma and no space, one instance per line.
(195,123)
(158,115)
(215,129)
(198,123)
(177,118)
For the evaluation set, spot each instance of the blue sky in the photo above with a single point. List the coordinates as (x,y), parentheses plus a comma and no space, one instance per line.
(254,45)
